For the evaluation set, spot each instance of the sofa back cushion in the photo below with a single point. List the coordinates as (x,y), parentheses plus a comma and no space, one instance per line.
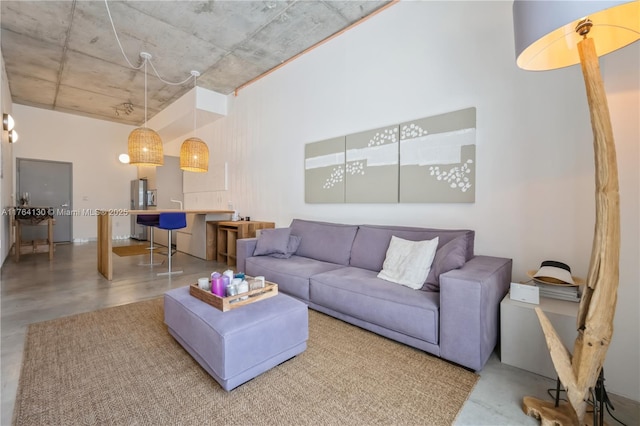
(448,257)
(328,242)
(371,242)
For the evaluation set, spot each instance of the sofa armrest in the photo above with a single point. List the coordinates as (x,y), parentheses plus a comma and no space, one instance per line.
(244,248)
(469,309)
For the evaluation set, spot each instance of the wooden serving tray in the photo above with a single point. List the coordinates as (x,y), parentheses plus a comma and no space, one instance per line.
(225,304)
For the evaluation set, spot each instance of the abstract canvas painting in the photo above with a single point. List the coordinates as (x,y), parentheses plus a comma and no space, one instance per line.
(428,160)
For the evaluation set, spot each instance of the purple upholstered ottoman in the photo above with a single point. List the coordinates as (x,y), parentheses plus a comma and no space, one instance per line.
(237,345)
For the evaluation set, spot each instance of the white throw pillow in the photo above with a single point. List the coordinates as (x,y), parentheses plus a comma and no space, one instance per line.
(408,262)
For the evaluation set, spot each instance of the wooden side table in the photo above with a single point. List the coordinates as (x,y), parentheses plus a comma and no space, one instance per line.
(229,232)
(212,239)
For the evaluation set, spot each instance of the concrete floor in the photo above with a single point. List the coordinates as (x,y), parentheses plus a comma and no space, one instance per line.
(38,290)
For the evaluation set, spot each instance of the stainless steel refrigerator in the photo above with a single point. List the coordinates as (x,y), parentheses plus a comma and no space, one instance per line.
(138,202)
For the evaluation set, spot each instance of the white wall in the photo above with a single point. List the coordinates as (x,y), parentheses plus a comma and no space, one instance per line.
(100,181)
(535,184)
(169,185)
(6,182)
(621,73)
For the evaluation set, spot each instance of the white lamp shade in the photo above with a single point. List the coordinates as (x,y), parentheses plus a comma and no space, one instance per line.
(545,31)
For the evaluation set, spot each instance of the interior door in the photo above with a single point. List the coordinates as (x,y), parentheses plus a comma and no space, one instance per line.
(49,184)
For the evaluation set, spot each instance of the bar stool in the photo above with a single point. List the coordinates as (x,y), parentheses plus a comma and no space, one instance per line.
(171,221)
(149,220)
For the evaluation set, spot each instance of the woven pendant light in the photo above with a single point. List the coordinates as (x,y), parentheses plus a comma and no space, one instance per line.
(145,148)
(145,145)
(194,155)
(194,152)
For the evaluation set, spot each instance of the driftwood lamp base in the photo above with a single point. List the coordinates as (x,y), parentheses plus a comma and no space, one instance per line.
(550,415)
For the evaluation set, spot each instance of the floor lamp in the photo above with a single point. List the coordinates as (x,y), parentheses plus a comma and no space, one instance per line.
(551,35)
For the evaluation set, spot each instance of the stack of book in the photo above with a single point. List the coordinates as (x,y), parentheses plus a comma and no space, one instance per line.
(563,292)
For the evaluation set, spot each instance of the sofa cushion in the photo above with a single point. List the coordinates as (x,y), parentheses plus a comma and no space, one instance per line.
(371,242)
(272,241)
(448,257)
(292,246)
(328,242)
(291,275)
(359,293)
(408,262)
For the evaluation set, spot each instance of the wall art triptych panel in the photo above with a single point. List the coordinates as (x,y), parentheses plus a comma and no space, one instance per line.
(429,160)
(437,158)
(324,171)
(372,166)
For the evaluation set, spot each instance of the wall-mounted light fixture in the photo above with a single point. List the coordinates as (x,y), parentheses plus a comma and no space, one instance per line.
(8,125)
(124,158)
(7,122)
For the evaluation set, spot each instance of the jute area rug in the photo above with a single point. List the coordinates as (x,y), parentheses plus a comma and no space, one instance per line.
(119,366)
(133,250)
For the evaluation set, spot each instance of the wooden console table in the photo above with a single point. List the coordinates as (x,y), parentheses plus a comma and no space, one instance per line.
(229,232)
(33,216)
(35,246)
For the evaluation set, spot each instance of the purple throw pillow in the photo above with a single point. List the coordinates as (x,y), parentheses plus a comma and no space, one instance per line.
(448,257)
(272,241)
(294,243)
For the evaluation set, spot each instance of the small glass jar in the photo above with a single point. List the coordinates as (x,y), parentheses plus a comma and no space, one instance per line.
(243,287)
(254,284)
(232,289)
(228,273)
(204,283)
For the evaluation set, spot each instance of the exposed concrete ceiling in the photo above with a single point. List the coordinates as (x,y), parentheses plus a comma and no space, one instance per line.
(63,55)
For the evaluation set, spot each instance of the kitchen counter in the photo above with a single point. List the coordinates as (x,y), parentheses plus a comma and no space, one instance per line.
(105,256)
(158,211)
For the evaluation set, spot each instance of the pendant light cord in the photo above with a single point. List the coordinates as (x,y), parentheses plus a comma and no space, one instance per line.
(165,81)
(195,101)
(145,90)
(147,59)
(118,39)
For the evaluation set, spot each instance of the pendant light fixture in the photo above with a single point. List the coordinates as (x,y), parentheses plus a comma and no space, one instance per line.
(145,145)
(194,152)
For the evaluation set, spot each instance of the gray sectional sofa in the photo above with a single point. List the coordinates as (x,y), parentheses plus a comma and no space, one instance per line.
(334,270)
